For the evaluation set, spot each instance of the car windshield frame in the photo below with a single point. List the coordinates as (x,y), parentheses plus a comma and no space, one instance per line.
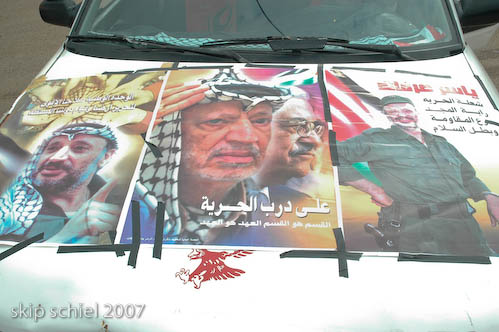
(254,52)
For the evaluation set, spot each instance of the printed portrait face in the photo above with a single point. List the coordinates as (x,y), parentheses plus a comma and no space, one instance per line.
(66,164)
(220,141)
(296,139)
(402,114)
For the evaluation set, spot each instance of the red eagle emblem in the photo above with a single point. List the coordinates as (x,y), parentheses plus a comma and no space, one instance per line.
(212,266)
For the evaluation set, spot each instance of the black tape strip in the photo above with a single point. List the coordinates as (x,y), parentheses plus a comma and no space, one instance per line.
(340,247)
(126,72)
(158,235)
(134,252)
(423,74)
(484,88)
(341,254)
(269,66)
(154,149)
(492,122)
(118,248)
(145,70)
(404,257)
(112,235)
(353,256)
(327,115)
(205,67)
(325,99)
(380,70)
(20,246)
(333,148)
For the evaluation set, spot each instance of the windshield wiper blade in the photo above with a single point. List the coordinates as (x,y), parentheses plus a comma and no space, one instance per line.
(316,44)
(137,43)
(238,41)
(277,43)
(117,38)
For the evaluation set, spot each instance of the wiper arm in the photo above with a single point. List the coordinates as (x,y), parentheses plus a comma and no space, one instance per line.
(387,49)
(308,44)
(141,43)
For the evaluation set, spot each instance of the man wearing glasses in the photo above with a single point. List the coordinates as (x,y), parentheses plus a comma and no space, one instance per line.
(294,147)
(208,160)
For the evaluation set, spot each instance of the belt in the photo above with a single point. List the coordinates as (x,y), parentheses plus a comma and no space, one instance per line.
(425,211)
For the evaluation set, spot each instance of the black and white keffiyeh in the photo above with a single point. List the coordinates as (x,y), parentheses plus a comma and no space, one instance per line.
(21,203)
(227,85)
(159,176)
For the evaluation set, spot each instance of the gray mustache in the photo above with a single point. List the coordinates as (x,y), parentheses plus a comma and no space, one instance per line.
(253,149)
(301,148)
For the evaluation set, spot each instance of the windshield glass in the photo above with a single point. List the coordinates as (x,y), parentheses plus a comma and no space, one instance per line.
(405,23)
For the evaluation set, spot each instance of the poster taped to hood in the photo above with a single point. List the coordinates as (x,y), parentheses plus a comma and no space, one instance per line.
(73,145)
(244,161)
(256,156)
(415,170)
